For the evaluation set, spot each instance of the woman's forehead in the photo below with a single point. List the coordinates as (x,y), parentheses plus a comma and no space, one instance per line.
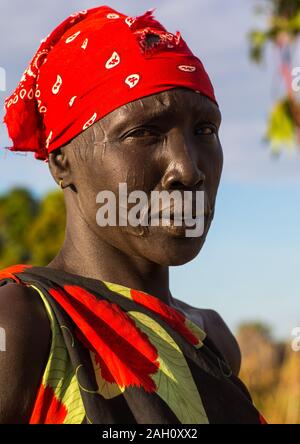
(166,103)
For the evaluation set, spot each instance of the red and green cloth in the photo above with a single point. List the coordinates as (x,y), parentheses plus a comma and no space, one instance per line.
(120,355)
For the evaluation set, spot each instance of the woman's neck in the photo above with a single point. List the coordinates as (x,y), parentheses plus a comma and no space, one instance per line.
(86,254)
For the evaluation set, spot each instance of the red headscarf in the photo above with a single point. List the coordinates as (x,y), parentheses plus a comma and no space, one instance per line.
(92,63)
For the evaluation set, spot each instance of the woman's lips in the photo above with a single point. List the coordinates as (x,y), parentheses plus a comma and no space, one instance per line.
(183,223)
(169,213)
(179,230)
(167,216)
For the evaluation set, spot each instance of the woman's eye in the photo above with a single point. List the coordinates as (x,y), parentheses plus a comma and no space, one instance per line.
(143,132)
(206,130)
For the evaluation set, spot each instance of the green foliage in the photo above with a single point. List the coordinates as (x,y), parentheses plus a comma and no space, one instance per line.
(282,31)
(281,126)
(281,8)
(18,209)
(283,16)
(31,231)
(262,329)
(258,41)
(259,38)
(47,233)
(285,8)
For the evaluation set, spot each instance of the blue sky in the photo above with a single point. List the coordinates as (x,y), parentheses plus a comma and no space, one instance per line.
(249,266)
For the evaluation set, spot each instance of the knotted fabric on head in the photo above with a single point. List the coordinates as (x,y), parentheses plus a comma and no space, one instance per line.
(94,62)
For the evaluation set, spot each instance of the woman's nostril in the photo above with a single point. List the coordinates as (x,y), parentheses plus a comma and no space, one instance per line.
(176,184)
(187,182)
(202,179)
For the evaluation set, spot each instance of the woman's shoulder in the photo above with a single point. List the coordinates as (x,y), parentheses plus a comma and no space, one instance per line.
(217,330)
(23,316)
(21,302)
(26,339)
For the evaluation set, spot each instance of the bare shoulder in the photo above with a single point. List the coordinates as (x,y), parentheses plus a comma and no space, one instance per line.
(223,338)
(26,336)
(217,330)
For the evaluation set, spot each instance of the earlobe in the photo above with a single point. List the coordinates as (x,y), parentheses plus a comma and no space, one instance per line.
(60,168)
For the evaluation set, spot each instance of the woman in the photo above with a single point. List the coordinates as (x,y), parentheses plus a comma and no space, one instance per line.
(96,336)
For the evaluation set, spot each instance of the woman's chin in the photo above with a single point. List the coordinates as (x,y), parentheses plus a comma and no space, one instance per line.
(174,251)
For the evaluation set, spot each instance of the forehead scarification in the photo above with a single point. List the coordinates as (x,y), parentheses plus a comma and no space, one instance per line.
(165,103)
(169,102)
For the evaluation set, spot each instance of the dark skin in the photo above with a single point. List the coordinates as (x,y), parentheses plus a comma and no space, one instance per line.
(168,141)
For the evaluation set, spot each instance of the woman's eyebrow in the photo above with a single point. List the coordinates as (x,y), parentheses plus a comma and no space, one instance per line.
(138,117)
(209,113)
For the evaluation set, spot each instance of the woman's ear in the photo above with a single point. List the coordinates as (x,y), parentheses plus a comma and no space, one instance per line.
(59,166)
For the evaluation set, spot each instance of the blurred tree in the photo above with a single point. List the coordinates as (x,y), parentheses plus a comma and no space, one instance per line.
(260,361)
(31,231)
(271,371)
(284,405)
(47,232)
(18,210)
(282,32)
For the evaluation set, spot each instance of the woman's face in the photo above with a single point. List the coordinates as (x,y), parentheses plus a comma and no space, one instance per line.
(168,141)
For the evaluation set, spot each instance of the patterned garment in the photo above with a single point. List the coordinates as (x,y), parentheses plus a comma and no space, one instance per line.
(122,356)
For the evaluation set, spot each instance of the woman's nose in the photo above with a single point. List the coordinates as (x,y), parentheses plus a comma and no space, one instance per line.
(183,170)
